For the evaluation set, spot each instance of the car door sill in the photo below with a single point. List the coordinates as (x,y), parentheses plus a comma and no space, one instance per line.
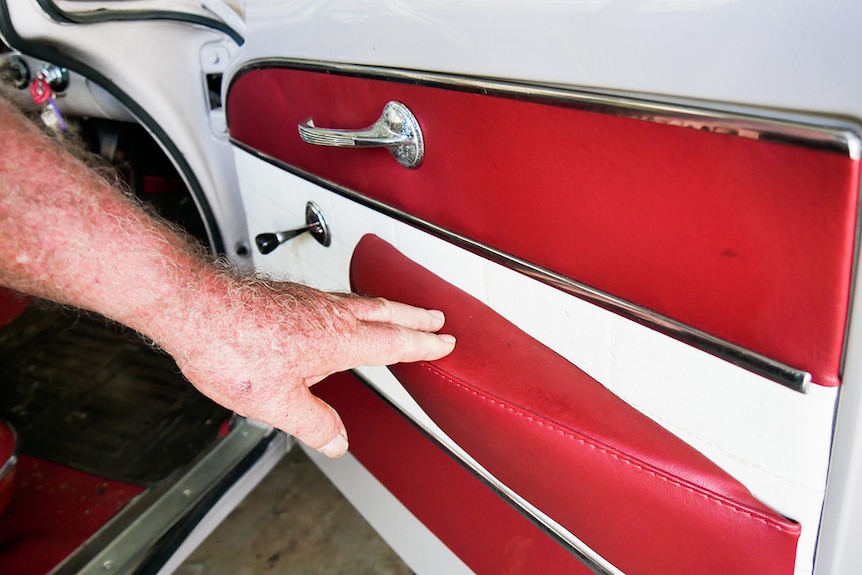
(147,533)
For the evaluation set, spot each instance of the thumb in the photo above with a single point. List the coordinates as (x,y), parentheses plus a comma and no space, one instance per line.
(318,426)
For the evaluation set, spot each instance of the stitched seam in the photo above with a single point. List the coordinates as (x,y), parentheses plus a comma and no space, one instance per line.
(769,522)
(727,453)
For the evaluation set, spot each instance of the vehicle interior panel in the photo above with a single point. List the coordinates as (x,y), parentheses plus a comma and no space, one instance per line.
(437,488)
(688,223)
(686,390)
(648,260)
(587,459)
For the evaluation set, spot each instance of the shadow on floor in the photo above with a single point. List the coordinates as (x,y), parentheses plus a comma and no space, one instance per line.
(295,521)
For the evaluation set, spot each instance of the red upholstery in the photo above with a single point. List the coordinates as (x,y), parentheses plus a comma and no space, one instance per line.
(8,460)
(632,491)
(481,528)
(748,240)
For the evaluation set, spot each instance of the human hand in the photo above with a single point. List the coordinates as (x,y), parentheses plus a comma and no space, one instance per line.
(254,347)
(260,351)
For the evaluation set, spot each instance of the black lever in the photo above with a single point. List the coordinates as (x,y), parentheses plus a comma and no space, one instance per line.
(315,224)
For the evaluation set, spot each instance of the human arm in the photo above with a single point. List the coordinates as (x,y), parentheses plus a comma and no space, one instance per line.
(253,346)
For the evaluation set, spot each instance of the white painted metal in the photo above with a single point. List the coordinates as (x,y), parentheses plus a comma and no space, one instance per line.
(795,56)
(158,64)
(225,10)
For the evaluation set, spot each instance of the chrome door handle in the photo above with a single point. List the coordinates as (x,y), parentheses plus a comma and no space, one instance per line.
(396,129)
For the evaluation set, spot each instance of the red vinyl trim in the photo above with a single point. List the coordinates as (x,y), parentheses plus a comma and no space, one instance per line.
(639,496)
(748,240)
(473,521)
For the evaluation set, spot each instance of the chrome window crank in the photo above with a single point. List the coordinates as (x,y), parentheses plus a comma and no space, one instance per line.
(396,129)
(315,224)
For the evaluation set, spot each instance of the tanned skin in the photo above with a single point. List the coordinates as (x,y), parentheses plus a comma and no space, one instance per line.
(255,347)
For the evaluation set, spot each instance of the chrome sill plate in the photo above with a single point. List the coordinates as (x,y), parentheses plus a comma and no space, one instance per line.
(134,544)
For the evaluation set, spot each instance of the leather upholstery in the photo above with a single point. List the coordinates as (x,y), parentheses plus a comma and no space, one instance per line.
(629,489)
(748,240)
(471,519)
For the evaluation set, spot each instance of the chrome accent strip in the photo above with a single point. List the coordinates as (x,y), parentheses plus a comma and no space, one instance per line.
(10,463)
(775,126)
(565,538)
(795,379)
(133,545)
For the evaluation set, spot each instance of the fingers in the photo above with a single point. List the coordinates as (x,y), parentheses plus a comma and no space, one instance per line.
(381,310)
(312,421)
(382,344)
(336,447)
(392,332)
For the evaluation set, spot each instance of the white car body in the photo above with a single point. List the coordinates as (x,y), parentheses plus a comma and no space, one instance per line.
(798,452)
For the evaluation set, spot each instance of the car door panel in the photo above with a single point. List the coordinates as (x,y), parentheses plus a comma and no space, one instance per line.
(670,227)
(633,492)
(694,257)
(670,210)
(688,391)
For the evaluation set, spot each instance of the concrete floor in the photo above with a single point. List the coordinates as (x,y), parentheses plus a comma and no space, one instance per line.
(295,521)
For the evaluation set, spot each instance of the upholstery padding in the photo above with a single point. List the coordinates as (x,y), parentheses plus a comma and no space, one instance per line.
(635,493)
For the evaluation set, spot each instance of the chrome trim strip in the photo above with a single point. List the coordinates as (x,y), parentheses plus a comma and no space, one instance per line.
(565,538)
(132,547)
(10,463)
(774,126)
(795,379)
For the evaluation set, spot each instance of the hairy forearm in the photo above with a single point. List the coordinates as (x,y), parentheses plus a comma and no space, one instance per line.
(67,235)
(253,346)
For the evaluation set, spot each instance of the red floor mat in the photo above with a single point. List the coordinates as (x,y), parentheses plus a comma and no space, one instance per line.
(53,510)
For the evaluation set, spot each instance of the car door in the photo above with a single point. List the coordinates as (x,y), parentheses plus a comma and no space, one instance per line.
(643,239)
(639,218)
